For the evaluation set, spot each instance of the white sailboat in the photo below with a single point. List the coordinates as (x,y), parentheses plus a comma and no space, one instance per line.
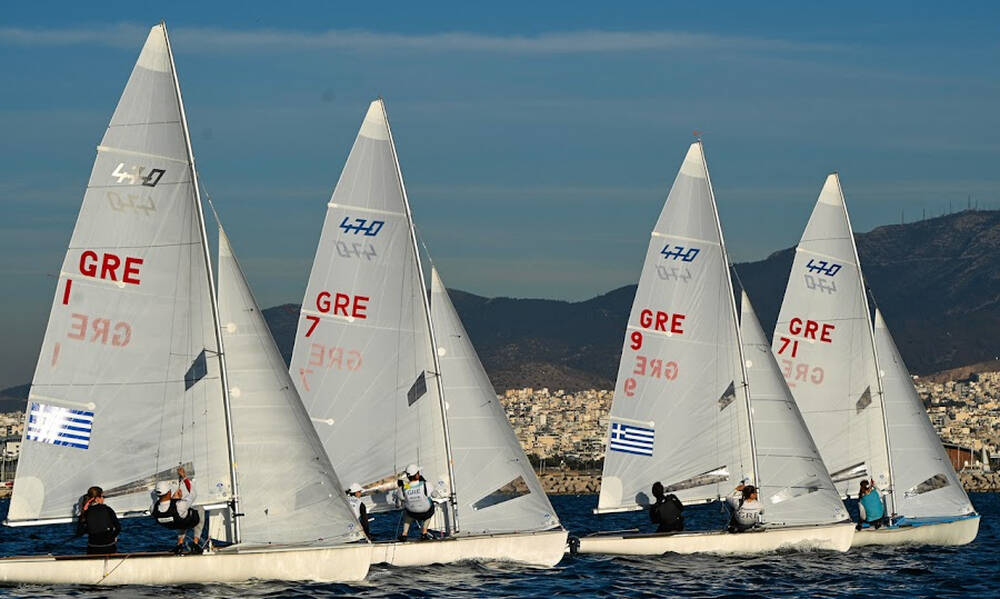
(375,374)
(855,392)
(700,404)
(134,370)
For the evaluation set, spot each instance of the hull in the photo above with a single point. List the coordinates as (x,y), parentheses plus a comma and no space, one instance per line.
(831,537)
(955,532)
(543,549)
(322,564)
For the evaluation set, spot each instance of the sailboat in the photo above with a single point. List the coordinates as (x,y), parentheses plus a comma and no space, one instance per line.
(390,378)
(137,375)
(699,403)
(855,392)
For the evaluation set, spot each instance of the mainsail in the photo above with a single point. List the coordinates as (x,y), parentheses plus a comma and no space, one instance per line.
(497,488)
(680,414)
(363,360)
(794,485)
(127,386)
(289,491)
(924,480)
(823,343)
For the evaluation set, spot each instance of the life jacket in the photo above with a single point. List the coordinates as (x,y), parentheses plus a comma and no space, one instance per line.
(355,503)
(415,496)
(172,519)
(872,502)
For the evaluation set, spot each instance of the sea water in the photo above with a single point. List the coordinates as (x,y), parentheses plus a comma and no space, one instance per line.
(971,571)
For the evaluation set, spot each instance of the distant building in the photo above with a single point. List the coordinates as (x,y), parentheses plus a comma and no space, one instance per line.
(962,457)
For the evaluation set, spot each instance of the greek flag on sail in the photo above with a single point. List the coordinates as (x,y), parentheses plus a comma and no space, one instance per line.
(59,426)
(631,439)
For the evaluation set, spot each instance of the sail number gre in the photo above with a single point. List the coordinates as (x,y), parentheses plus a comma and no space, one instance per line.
(108,264)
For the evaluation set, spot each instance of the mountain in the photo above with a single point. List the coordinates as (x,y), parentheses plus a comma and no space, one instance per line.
(934,281)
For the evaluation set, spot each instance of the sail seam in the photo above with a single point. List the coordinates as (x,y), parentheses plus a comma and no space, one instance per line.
(681,237)
(365,209)
(822,255)
(144,154)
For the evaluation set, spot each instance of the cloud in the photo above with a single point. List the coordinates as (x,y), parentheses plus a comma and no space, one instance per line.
(571,42)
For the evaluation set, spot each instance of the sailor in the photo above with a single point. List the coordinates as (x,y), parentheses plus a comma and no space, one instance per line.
(358,507)
(415,497)
(745,508)
(666,512)
(870,507)
(173,509)
(99,523)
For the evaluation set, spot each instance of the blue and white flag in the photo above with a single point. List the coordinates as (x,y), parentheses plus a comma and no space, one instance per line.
(628,438)
(59,426)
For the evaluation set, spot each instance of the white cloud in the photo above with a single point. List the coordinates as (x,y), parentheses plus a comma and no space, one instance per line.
(570,42)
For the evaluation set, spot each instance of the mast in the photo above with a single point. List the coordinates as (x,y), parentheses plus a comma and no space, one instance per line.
(212,292)
(736,319)
(452,499)
(869,328)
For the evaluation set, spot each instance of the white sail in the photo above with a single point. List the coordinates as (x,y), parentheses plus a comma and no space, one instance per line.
(289,492)
(363,361)
(127,386)
(924,480)
(794,485)
(679,414)
(823,344)
(496,486)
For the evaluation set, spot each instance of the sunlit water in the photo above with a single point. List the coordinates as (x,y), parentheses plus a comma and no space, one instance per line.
(972,571)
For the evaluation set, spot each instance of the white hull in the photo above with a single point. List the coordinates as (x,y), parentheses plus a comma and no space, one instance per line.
(321,564)
(832,537)
(959,532)
(544,549)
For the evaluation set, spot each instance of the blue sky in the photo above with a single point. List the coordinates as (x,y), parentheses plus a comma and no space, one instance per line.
(529,133)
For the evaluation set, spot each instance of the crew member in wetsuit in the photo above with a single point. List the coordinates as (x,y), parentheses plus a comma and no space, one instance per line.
(358,507)
(745,508)
(173,509)
(99,523)
(666,512)
(870,507)
(415,496)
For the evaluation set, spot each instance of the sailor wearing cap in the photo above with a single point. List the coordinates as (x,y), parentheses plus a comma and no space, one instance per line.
(173,508)
(358,506)
(414,496)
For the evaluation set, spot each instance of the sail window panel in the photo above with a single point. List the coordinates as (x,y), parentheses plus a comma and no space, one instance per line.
(512,490)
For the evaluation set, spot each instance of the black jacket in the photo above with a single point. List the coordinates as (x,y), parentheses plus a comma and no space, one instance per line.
(100,524)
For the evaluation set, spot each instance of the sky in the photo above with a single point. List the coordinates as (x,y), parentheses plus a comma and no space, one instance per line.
(537,140)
